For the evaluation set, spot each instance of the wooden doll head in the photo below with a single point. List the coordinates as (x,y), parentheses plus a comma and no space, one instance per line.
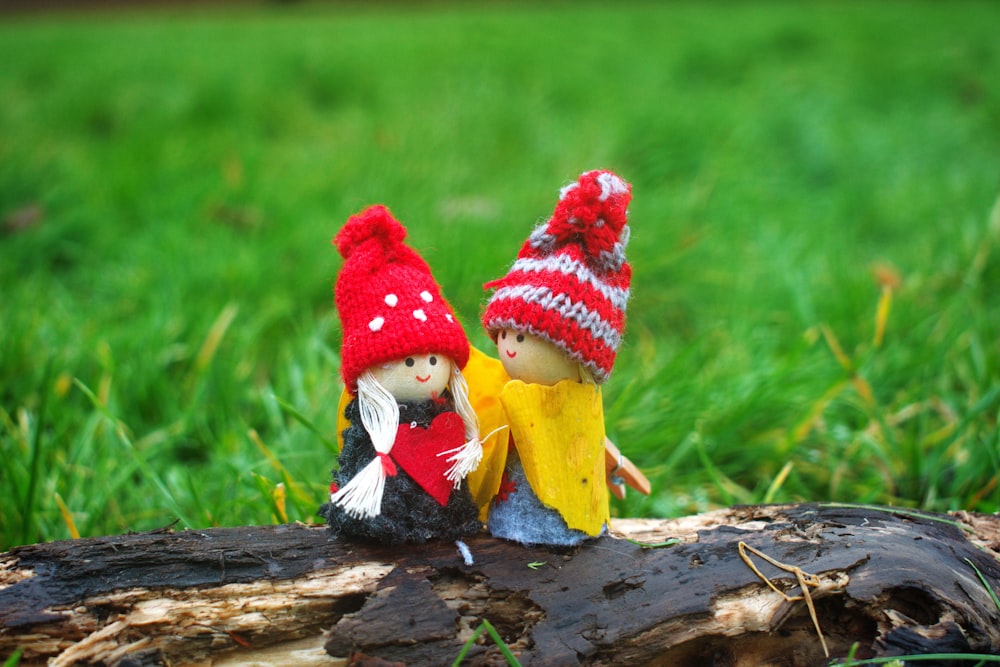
(418,377)
(534,360)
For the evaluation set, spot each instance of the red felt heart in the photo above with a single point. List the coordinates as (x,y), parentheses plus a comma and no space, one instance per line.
(416,451)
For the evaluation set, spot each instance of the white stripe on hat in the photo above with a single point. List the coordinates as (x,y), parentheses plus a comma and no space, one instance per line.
(541,240)
(586,319)
(566,189)
(610,185)
(567,266)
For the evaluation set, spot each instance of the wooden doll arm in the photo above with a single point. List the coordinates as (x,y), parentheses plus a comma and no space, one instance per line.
(617,465)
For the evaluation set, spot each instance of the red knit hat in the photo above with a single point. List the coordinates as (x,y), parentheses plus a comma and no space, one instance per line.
(389,304)
(570,283)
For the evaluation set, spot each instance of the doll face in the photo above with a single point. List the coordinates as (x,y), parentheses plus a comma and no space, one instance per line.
(418,377)
(534,360)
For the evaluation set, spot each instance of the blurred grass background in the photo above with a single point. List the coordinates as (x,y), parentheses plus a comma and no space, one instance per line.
(815,309)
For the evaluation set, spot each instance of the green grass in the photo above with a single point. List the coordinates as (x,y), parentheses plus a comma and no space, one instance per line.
(168,346)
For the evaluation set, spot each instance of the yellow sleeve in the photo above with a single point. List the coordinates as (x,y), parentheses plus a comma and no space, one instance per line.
(342,423)
(486,378)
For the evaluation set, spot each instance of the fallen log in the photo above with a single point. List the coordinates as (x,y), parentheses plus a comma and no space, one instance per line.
(754,585)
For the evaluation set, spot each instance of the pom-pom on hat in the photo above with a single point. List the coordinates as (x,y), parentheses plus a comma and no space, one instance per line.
(389,304)
(570,282)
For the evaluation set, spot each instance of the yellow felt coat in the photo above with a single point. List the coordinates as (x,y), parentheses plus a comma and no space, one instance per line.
(559,434)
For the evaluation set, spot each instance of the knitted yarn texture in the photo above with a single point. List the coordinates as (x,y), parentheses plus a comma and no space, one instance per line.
(389,304)
(570,282)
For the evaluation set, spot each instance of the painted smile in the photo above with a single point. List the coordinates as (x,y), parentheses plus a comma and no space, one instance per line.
(511,353)
(423,379)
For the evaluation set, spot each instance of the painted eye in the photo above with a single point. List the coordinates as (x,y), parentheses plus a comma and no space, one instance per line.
(410,361)
(520,338)
(503,334)
(433,361)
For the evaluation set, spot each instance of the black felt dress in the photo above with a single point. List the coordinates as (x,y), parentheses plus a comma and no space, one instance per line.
(409,514)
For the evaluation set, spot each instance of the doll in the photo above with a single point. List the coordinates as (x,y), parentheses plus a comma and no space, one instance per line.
(412,435)
(557,318)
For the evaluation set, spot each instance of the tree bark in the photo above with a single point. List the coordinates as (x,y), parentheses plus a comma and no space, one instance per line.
(891,582)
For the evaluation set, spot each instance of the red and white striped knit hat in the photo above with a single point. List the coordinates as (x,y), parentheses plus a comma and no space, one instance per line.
(570,282)
(390,307)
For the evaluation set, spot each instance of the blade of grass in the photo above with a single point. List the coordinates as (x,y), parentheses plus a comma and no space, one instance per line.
(508,656)
(193,490)
(882,315)
(295,488)
(67,517)
(980,261)
(15,658)
(137,456)
(269,490)
(849,658)
(838,351)
(214,338)
(278,496)
(294,413)
(656,545)
(488,627)
(117,480)
(36,456)
(8,469)
(986,584)
(982,492)
(469,643)
(806,425)
(726,487)
(777,482)
(981,406)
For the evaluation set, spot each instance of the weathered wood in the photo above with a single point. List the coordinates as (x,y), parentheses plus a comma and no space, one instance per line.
(892,582)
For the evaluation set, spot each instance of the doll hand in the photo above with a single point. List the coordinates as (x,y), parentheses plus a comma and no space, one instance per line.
(621,471)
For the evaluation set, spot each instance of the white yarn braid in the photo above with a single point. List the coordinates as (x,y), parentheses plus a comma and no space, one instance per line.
(361,497)
(466,457)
